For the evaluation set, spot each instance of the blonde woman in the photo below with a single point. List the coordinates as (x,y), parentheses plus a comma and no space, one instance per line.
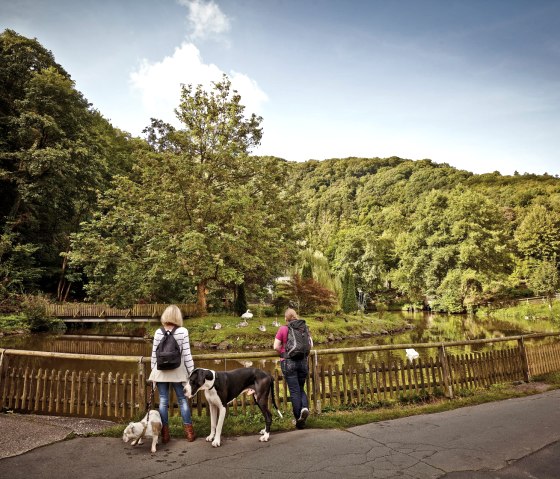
(172,323)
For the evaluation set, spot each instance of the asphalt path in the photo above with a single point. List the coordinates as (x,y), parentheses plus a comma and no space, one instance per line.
(516,438)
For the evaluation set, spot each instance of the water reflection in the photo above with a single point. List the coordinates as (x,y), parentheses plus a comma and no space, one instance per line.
(428,328)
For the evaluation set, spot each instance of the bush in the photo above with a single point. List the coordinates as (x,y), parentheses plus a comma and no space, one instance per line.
(35,310)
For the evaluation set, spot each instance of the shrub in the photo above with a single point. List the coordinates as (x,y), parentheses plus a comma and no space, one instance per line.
(35,310)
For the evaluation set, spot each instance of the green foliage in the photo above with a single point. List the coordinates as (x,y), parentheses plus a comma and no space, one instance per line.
(34,308)
(13,323)
(52,161)
(538,235)
(531,316)
(544,278)
(189,211)
(197,209)
(307,294)
(349,302)
(307,271)
(17,264)
(321,269)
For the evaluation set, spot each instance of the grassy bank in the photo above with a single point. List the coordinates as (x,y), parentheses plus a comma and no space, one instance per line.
(526,312)
(324,328)
(349,416)
(14,324)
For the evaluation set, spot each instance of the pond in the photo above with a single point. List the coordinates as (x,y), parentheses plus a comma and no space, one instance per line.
(130,340)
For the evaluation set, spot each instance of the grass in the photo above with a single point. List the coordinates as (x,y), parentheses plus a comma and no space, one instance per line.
(14,324)
(321,325)
(527,312)
(356,415)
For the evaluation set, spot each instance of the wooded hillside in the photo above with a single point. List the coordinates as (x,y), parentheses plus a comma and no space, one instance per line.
(184,214)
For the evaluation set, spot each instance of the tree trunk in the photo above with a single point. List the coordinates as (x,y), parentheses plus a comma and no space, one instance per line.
(201,297)
(62,280)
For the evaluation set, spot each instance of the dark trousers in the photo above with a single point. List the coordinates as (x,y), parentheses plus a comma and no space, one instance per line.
(295,373)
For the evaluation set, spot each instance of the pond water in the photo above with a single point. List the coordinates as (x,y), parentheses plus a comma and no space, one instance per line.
(115,339)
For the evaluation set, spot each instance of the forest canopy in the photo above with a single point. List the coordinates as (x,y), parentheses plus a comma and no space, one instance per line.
(188,213)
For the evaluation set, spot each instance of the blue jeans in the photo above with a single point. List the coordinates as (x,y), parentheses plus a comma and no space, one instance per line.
(163,389)
(295,373)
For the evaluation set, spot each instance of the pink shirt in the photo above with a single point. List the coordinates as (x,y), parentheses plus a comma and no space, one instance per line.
(282,336)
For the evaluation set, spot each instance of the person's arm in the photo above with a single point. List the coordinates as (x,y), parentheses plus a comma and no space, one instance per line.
(187,356)
(280,338)
(157,339)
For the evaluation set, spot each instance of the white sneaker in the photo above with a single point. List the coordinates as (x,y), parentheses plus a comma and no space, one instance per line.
(300,423)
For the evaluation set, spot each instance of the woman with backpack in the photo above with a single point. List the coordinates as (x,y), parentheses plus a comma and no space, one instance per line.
(294,342)
(172,364)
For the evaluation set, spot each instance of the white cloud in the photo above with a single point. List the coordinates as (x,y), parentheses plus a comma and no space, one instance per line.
(205,18)
(159,82)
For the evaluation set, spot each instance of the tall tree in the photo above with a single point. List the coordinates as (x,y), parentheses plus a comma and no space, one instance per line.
(544,279)
(538,235)
(349,302)
(197,209)
(50,166)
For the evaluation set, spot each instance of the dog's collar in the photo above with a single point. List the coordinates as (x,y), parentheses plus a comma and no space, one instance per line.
(214,383)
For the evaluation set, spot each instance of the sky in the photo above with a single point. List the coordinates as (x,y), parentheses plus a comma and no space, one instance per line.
(475,84)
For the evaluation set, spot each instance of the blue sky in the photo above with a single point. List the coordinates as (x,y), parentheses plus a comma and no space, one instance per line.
(475,84)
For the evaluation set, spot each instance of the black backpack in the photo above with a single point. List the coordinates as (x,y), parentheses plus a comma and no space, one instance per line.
(298,344)
(168,353)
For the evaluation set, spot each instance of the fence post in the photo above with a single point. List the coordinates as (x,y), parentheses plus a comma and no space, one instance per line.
(524,359)
(448,388)
(316,402)
(2,380)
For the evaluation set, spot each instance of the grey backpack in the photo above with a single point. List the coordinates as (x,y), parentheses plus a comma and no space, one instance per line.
(298,344)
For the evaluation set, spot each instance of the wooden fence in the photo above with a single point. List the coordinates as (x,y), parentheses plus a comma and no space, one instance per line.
(102,311)
(108,345)
(120,396)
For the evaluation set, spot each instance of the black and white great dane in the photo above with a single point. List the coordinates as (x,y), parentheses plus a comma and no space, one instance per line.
(220,388)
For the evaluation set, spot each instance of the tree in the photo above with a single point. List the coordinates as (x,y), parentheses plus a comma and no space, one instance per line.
(196,210)
(349,303)
(50,165)
(544,279)
(307,271)
(459,232)
(307,294)
(538,235)
(240,304)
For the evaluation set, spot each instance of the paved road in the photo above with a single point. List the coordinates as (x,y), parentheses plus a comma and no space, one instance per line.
(517,438)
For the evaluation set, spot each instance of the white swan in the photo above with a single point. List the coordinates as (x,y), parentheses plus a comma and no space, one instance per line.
(411,354)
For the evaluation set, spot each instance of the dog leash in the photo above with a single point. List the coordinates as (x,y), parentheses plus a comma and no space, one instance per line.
(145,425)
(149,403)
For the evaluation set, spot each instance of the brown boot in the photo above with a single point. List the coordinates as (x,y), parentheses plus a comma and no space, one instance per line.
(165,434)
(189,432)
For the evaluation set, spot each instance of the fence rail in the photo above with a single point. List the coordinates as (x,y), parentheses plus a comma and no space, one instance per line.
(120,396)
